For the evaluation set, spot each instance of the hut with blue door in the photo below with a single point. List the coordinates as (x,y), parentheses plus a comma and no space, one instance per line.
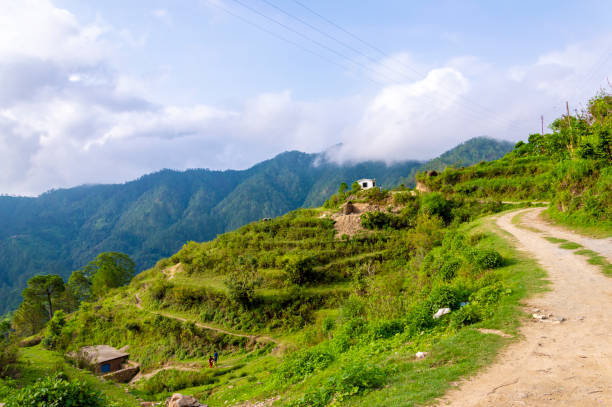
(104,359)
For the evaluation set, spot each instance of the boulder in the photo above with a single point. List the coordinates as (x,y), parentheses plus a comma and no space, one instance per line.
(180,400)
(421,355)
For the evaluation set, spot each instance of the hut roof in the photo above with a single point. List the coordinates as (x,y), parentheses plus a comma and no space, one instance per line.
(101,353)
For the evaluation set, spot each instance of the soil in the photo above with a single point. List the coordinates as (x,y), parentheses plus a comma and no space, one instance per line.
(351,224)
(172,270)
(565,357)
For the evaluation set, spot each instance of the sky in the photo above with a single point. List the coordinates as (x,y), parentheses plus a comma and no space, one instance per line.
(105,92)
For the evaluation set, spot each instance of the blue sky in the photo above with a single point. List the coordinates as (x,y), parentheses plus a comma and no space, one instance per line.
(107,91)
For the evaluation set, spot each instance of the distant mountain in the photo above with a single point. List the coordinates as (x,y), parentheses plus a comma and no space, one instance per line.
(465,154)
(153,216)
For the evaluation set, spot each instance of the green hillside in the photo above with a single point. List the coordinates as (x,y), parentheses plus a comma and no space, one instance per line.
(150,218)
(332,305)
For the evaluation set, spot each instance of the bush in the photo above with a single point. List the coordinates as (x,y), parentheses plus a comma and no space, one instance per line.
(469,314)
(8,359)
(171,380)
(58,391)
(443,296)
(488,259)
(54,330)
(436,204)
(300,364)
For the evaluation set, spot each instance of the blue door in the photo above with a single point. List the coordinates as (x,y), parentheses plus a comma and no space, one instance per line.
(105,368)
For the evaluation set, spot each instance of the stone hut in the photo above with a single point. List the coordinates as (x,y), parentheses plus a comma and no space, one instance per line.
(109,362)
(103,358)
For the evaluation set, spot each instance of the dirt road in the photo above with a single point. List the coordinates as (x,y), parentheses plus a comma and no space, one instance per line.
(566,363)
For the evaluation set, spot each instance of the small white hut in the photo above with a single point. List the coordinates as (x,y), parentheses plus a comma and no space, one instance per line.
(366,183)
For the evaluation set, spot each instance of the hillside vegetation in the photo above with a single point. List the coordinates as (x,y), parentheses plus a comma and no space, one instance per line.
(570,167)
(150,218)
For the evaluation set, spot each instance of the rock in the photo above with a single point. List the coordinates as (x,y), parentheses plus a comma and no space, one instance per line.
(441,311)
(179,400)
(421,355)
(540,317)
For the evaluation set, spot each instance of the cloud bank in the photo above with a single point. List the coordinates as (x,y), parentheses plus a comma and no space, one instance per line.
(68,117)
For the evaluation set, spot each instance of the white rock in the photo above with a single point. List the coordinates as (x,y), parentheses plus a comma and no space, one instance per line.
(421,355)
(441,311)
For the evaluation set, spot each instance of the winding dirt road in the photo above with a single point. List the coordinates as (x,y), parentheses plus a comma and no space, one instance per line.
(557,363)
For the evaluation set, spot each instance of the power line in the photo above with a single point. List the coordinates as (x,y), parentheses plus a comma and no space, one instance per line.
(280,37)
(383,53)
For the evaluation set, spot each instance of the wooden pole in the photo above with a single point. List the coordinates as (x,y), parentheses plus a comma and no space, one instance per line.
(569,124)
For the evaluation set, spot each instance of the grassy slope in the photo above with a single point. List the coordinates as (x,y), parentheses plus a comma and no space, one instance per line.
(36,362)
(246,373)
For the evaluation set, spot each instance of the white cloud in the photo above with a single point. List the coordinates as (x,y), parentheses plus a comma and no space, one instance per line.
(68,117)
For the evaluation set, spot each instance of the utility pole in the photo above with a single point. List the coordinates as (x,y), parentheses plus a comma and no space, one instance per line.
(542,118)
(569,124)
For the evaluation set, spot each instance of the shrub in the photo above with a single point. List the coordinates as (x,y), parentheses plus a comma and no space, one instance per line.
(58,391)
(54,330)
(469,314)
(8,359)
(171,380)
(436,204)
(300,364)
(443,296)
(488,259)
(298,268)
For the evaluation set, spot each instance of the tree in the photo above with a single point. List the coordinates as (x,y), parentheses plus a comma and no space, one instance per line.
(109,270)
(44,290)
(343,187)
(79,286)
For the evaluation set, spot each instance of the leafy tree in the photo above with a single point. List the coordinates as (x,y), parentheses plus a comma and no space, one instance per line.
(44,289)
(343,188)
(54,330)
(79,286)
(29,318)
(108,270)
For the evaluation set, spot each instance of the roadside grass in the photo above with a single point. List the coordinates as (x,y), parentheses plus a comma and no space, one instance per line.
(597,260)
(555,239)
(599,230)
(458,355)
(36,362)
(570,246)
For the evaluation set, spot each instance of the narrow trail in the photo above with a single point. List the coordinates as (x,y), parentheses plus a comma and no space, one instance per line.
(255,338)
(557,363)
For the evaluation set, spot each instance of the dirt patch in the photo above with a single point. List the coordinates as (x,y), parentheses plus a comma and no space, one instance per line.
(351,224)
(494,332)
(565,358)
(171,271)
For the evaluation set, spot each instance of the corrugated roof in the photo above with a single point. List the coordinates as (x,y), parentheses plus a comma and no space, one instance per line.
(101,353)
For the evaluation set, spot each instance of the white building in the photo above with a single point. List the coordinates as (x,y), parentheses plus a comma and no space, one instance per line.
(367,183)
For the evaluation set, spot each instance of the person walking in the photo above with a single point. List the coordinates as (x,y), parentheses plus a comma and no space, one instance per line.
(216,357)
(210,361)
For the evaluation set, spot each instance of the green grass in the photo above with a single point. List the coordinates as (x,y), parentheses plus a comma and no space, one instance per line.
(456,355)
(597,260)
(36,362)
(570,246)
(555,239)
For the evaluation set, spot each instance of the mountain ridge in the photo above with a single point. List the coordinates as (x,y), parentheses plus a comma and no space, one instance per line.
(153,216)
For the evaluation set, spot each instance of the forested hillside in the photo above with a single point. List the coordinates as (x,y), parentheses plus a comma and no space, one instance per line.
(153,216)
